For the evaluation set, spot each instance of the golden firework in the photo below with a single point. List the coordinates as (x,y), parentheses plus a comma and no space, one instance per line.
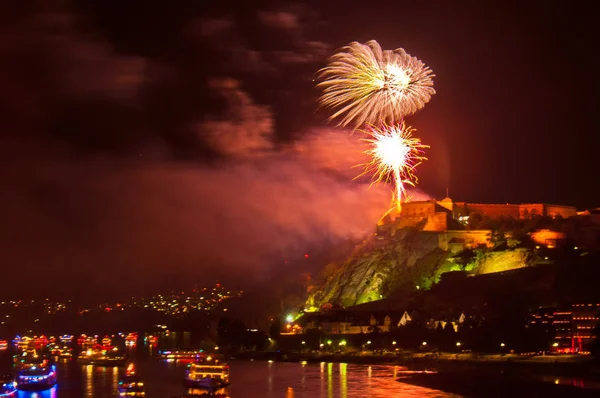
(363,84)
(394,154)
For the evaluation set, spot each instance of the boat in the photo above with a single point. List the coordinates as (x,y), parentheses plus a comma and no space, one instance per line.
(29,358)
(181,354)
(3,344)
(37,377)
(151,340)
(131,339)
(87,341)
(8,386)
(106,341)
(60,351)
(208,373)
(131,385)
(22,343)
(102,356)
(66,338)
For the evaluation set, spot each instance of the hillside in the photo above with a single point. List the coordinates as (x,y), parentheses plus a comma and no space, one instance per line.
(393,262)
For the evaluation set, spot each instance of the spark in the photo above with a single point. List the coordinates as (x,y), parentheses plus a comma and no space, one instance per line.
(363,84)
(395,155)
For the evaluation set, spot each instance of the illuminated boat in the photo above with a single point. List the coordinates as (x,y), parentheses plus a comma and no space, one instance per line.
(66,338)
(22,343)
(102,356)
(106,341)
(37,378)
(131,339)
(3,344)
(87,341)
(131,385)
(190,355)
(151,340)
(38,342)
(8,386)
(29,358)
(60,351)
(208,374)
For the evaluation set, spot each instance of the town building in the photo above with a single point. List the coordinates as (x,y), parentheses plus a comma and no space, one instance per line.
(573,326)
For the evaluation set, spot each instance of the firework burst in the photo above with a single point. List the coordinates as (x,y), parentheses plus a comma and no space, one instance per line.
(364,84)
(394,154)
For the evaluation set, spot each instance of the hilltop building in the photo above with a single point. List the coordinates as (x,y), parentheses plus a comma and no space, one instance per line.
(448,219)
(440,216)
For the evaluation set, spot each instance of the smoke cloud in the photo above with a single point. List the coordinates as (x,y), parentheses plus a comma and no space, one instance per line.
(98,195)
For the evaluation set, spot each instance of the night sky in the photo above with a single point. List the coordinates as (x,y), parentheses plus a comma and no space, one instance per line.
(176,141)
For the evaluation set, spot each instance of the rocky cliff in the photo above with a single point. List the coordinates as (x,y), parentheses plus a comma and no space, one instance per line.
(401,261)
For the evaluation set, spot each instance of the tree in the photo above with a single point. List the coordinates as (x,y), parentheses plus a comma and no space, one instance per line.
(474,220)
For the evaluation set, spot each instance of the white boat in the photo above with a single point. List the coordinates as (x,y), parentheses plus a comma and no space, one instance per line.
(207,374)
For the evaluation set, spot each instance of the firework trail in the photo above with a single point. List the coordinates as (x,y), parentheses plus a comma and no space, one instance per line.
(395,154)
(364,84)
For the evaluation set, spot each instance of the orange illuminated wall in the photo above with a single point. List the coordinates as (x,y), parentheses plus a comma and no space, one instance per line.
(418,209)
(548,238)
(490,210)
(515,211)
(563,211)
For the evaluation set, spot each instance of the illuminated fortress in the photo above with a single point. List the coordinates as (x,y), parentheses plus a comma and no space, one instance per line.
(448,218)
(434,215)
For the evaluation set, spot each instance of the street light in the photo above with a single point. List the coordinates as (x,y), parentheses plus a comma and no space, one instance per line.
(502,344)
(304,342)
(328,342)
(458,344)
(393,343)
(289,318)
(424,343)
(368,342)
(342,343)
(555,344)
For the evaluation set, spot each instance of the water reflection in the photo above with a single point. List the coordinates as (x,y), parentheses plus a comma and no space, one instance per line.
(289,393)
(250,379)
(115,380)
(51,393)
(343,380)
(330,380)
(88,380)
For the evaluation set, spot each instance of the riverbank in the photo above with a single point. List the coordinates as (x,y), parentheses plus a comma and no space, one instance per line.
(548,365)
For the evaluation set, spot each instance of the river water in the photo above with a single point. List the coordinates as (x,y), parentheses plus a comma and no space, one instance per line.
(250,379)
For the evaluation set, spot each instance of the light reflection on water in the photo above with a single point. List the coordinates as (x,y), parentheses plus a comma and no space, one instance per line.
(250,379)
(42,394)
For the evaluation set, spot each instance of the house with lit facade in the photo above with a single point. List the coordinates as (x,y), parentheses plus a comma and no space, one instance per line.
(573,326)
